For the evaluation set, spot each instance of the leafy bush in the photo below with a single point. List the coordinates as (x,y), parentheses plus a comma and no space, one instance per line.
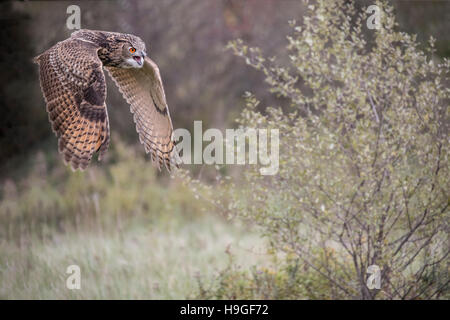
(364,175)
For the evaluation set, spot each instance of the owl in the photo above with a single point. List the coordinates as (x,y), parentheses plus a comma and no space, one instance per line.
(74,89)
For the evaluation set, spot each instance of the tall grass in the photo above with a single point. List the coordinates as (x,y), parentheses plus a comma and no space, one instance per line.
(133,235)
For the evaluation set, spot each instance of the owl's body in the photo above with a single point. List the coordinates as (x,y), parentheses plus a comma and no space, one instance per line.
(74,88)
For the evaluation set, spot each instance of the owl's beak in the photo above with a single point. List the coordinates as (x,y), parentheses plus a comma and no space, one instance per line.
(139,59)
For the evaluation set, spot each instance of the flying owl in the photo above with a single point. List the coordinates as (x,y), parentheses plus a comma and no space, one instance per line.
(74,89)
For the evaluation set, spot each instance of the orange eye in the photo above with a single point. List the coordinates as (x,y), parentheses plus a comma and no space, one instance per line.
(132,50)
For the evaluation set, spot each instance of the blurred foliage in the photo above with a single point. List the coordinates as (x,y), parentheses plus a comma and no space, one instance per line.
(133,235)
(22,123)
(57,200)
(426,18)
(364,161)
(285,278)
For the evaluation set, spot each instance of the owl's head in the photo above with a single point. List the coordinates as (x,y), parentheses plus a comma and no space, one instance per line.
(132,51)
(116,49)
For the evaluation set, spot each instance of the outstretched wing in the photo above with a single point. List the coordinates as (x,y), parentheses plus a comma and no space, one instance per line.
(143,89)
(74,89)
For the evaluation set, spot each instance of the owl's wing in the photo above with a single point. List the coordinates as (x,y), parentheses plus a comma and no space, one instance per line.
(143,90)
(74,89)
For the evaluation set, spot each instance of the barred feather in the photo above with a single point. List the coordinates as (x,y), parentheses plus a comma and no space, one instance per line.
(74,89)
(143,90)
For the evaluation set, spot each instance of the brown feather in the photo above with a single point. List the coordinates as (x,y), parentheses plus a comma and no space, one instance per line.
(74,89)
(143,90)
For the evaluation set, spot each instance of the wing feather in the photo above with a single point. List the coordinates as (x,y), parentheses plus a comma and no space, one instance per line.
(74,89)
(143,90)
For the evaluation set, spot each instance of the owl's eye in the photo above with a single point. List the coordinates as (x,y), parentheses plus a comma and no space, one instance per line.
(132,50)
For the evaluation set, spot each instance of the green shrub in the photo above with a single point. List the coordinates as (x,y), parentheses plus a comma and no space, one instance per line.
(364,162)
